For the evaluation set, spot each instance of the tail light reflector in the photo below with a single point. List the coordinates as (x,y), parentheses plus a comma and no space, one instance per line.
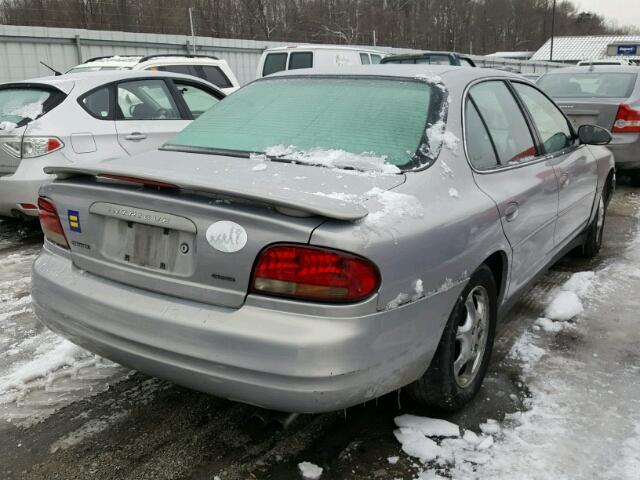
(141,181)
(50,222)
(33,147)
(627,120)
(313,273)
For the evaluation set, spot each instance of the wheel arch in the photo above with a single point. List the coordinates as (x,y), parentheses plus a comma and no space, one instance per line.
(498,264)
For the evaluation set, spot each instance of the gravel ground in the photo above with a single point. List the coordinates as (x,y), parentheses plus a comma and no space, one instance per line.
(86,417)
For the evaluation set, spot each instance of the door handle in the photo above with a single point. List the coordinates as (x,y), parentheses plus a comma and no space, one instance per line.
(564,180)
(511,212)
(136,136)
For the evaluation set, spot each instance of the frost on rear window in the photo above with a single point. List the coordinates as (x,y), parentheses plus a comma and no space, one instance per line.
(363,123)
(19,106)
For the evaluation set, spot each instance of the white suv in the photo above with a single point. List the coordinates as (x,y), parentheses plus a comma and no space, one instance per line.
(209,68)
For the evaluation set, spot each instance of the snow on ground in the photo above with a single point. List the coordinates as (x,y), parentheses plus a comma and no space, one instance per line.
(309,471)
(39,371)
(582,415)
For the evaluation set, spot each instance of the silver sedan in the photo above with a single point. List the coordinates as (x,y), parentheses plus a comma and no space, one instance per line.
(85,117)
(321,238)
(605,95)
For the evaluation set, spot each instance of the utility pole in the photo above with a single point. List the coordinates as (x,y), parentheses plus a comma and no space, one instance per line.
(375,43)
(553,29)
(193,34)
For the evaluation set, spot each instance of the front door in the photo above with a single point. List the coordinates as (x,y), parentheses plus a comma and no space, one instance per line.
(574,165)
(147,115)
(509,168)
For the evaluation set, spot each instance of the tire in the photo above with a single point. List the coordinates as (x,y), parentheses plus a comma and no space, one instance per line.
(595,231)
(449,384)
(634,178)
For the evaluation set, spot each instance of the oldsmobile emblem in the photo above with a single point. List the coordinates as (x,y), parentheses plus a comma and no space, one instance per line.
(226,236)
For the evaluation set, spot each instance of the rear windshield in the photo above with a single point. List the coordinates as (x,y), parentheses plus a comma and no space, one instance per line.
(20,106)
(381,118)
(588,84)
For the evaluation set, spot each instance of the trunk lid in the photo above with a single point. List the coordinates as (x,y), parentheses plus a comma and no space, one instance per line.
(593,111)
(199,242)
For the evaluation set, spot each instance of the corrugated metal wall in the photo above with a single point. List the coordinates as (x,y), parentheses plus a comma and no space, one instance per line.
(22,49)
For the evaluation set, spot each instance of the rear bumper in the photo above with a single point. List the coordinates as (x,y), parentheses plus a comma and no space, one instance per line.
(626,150)
(22,186)
(270,358)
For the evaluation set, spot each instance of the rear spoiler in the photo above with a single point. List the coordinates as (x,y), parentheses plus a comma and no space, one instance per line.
(288,201)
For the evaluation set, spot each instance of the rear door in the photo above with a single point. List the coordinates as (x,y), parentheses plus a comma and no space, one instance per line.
(575,166)
(147,114)
(509,168)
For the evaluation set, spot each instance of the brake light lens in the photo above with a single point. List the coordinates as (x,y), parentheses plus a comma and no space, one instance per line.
(313,273)
(50,222)
(140,181)
(627,120)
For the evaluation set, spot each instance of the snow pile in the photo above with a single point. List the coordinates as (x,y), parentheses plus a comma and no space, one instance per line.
(438,137)
(259,167)
(48,357)
(550,326)
(340,159)
(525,351)
(564,306)
(439,445)
(8,126)
(309,471)
(453,193)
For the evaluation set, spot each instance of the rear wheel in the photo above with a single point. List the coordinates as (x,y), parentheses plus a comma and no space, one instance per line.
(462,358)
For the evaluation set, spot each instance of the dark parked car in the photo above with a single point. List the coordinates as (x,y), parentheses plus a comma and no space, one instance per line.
(432,58)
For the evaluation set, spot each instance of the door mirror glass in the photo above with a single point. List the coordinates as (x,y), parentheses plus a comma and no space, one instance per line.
(594,135)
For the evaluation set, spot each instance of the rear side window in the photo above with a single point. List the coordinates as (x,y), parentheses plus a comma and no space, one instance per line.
(98,103)
(364,59)
(551,123)
(274,62)
(505,121)
(479,147)
(19,106)
(183,69)
(215,75)
(146,100)
(198,99)
(375,59)
(466,63)
(300,60)
(588,84)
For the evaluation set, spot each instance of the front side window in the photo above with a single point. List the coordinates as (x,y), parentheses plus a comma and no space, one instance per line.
(588,84)
(479,147)
(98,103)
(274,62)
(375,59)
(381,118)
(300,60)
(20,106)
(198,100)
(146,100)
(551,123)
(505,121)
(364,59)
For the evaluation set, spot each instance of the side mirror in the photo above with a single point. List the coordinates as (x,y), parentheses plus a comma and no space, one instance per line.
(594,135)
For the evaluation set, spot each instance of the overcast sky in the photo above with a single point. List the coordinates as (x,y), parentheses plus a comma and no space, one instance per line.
(625,12)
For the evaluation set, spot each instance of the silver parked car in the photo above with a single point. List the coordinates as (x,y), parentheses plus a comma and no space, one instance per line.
(603,95)
(321,238)
(83,117)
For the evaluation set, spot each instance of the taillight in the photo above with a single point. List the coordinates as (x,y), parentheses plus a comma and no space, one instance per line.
(31,147)
(627,120)
(313,273)
(50,222)
(141,181)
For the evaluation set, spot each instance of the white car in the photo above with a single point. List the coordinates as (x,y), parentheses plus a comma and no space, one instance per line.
(76,118)
(293,57)
(212,69)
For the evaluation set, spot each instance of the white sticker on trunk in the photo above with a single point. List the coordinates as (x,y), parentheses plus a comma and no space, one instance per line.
(226,236)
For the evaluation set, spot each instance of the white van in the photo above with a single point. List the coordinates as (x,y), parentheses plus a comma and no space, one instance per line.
(293,57)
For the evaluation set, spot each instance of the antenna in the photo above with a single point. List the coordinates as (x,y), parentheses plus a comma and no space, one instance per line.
(55,72)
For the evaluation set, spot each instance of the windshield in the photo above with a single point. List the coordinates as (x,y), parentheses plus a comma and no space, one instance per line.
(588,84)
(19,106)
(307,119)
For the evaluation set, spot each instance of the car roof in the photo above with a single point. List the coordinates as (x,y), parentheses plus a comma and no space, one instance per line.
(426,52)
(597,68)
(309,46)
(88,80)
(397,70)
